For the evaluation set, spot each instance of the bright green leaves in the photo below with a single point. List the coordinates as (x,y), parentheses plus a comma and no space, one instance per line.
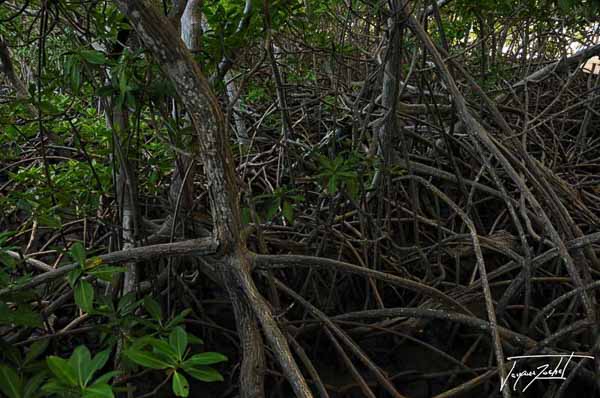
(93,57)
(153,308)
(205,358)
(181,388)
(77,253)
(178,340)
(62,370)
(203,373)
(83,288)
(147,359)
(84,295)
(171,355)
(76,374)
(11,384)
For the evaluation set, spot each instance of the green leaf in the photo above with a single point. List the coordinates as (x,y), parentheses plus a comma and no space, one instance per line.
(77,253)
(80,361)
(76,78)
(4,236)
(179,318)
(107,376)
(32,388)
(36,350)
(205,358)
(153,308)
(178,340)
(74,275)
(93,57)
(288,211)
(57,387)
(146,359)
(62,370)
(8,260)
(194,340)
(10,383)
(332,185)
(166,350)
(98,362)
(181,388)
(127,304)
(22,316)
(106,273)
(98,390)
(204,373)
(84,295)
(163,349)
(9,351)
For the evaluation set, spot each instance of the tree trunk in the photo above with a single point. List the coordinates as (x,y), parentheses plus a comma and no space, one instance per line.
(234,264)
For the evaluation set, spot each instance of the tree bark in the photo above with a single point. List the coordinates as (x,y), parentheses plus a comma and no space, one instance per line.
(207,120)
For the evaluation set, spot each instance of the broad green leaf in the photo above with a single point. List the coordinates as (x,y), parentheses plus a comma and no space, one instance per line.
(93,57)
(105,378)
(127,304)
(178,340)
(84,295)
(76,79)
(181,388)
(288,211)
(332,185)
(62,370)
(167,351)
(23,315)
(153,308)
(194,340)
(7,260)
(205,358)
(106,273)
(77,253)
(32,388)
(10,383)
(98,363)
(36,350)
(162,349)
(98,390)
(80,361)
(146,358)
(74,275)
(4,236)
(9,351)
(57,387)
(203,373)
(179,318)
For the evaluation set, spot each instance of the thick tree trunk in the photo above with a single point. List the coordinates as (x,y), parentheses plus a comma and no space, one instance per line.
(234,267)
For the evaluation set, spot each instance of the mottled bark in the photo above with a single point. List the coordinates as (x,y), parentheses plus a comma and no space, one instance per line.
(208,123)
